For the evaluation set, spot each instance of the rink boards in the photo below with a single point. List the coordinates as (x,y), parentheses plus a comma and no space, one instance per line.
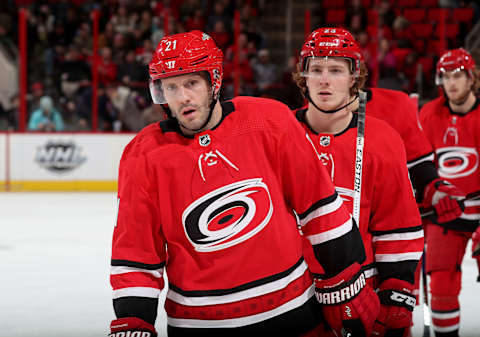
(60,161)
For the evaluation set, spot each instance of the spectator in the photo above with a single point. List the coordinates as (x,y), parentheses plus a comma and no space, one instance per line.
(107,69)
(131,72)
(265,71)
(75,73)
(220,35)
(197,21)
(46,118)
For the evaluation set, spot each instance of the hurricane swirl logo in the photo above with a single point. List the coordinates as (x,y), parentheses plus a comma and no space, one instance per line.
(228,216)
(456,161)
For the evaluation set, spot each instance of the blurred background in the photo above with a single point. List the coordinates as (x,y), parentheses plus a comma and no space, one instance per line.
(88,59)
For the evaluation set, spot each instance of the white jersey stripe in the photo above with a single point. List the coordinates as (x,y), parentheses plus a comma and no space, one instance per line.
(242,321)
(446,315)
(323,210)
(446,328)
(421,160)
(399,236)
(117,270)
(331,234)
(136,291)
(241,295)
(398,257)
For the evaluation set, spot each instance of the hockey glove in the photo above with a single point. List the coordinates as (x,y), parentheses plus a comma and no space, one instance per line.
(131,326)
(446,199)
(397,304)
(350,306)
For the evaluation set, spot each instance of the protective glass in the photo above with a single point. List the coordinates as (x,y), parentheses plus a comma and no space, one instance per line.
(439,75)
(311,71)
(156,92)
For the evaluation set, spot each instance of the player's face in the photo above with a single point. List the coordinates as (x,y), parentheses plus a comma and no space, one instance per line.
(457,85)
(188,97)
(329,81)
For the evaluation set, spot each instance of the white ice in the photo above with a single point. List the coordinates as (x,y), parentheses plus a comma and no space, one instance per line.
(54,257)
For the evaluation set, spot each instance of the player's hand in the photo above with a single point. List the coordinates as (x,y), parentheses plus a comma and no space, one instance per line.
(127,326)
(397,304)
(446,199)
(350,305)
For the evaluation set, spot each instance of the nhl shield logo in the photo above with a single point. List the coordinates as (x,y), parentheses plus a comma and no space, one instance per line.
(325,140)
(204,140)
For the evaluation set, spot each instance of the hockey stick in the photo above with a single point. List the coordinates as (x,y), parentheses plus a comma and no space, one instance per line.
(357,182)
(426,309)
(426,212)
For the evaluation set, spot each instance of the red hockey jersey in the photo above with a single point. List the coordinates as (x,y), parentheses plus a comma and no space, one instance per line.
(389,219)
(216,212)
(400,112)
(456,142)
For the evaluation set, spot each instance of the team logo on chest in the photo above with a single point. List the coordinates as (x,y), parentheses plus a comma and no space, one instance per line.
(456,161)
(228,216)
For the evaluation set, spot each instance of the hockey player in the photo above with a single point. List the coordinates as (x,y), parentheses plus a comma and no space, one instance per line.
(211,196)
(452,125)
(330,76)
(400,112)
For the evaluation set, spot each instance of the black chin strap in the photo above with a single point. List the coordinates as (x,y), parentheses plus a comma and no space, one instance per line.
(307,95)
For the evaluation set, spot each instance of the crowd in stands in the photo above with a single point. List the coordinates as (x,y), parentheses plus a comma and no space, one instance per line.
(60,53)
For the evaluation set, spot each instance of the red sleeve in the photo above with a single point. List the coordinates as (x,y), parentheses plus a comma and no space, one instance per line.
(397,234)
(138,257)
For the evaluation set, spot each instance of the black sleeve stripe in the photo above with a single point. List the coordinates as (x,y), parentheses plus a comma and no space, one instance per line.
(318,204)
(402,270)
(398,230)
(249,285)
(420,159)
(133,264)
(133,306)
(421,175)
(337,254)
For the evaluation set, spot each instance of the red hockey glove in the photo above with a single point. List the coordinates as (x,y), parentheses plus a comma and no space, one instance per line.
(350,306)
(397,304)
(445,198)
(131,326)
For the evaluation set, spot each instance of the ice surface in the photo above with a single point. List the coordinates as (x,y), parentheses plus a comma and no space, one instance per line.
(54,257)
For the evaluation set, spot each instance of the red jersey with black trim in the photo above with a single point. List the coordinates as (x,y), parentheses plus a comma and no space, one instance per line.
(455,139)
(389,219)
(400,112)
(216,212)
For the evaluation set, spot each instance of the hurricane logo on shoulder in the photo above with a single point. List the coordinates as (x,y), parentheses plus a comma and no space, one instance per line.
(228,215)
(456,161)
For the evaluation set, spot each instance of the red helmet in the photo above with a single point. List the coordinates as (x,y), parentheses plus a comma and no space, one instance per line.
(181,54)
(332,42)
(454,60)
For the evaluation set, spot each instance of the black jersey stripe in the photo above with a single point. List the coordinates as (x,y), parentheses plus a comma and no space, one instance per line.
(249,285)
(134,264)
(318,204)
(398,230)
